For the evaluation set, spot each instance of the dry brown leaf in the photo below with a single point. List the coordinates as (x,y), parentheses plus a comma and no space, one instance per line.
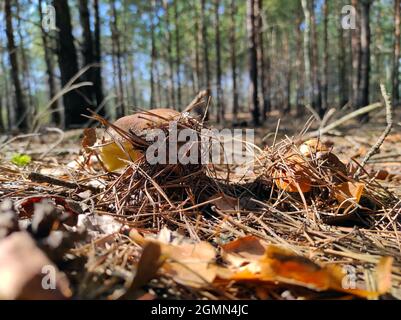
(244,252)
(383,274)
(190,264)
(349,191)
(89,138)
(148,265)
(224,202)
(276,264)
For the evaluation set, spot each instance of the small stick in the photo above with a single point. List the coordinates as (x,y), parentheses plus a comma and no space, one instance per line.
(347,117)
(389,119)
(38,177)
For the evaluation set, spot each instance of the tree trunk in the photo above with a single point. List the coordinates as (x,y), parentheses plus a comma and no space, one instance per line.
(26,76)
(356,56)
(178,53)
(74,103)
(307,55)
(115,36)
(363,93)
(97,59)
(205,42)
(264,95)
(21,108)
(299,81)
(396,59)
(87,46)
(253,66)
(317,93)
(171,101)
(342,71)
(325,74)
(219,96)
(153,58)
(56,113)
(233,58)
(197,54)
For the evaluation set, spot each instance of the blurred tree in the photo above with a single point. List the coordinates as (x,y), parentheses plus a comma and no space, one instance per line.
(396,59)
(21,107)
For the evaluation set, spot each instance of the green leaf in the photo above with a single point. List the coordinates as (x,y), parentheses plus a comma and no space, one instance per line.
(21,160)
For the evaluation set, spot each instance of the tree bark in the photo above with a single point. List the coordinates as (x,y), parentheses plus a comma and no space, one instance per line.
(56,113)
(299,81)
(363,93)
(219,91)
(307,54)
(317,93)
(170,55)
(356,55)
(325,74)
(74,103)
(233,58)
(178,53)
(264,95)
(253,66)
(97,53)
(153,58)
(205,41)
(115,35)
(396,59)
(342,70)
(21,108)
(87,47)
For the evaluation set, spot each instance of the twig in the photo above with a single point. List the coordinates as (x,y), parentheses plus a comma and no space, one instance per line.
(38,177)
(347,117)
(389,119)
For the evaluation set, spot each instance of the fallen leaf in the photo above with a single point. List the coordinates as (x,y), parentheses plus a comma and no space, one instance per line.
(89,138)
(250,259)
(383,274)
(224,202)
(348,192)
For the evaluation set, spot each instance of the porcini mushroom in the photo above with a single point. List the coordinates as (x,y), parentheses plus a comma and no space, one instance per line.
(116,151)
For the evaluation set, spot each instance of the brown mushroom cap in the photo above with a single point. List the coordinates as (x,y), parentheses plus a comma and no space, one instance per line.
(143,120)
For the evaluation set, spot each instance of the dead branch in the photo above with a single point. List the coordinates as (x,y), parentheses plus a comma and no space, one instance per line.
(389,119)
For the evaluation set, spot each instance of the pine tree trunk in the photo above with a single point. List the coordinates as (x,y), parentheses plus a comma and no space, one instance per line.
(152,59)
(356,55)
(26,76)
(264,94)
(299,81)
(178,53)
(233,58)
(205,41)
(307,54)
(21,108)
(253,66)
(396,59)
(363,93)
(97,59)
(74,103)
(317,92)
(115,36)
(197,53)
(56,114)
(325,74)
(171,100)
(219,96)
(342,71)
(87,47)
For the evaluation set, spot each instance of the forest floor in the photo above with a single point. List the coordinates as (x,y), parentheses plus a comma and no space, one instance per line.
(205,232)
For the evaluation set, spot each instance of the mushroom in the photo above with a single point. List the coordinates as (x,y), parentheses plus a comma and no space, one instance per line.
(115,152)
